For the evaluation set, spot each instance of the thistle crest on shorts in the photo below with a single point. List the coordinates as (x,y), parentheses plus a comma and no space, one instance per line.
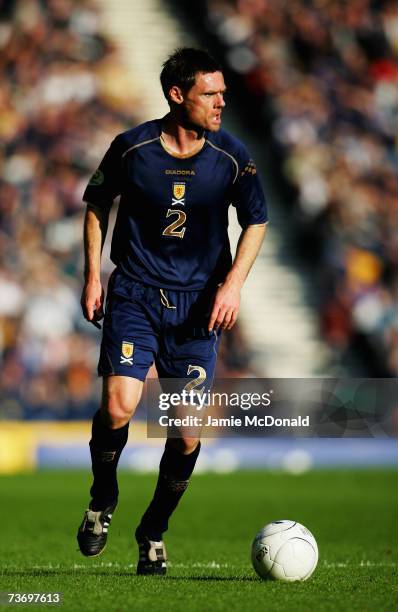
(126,357)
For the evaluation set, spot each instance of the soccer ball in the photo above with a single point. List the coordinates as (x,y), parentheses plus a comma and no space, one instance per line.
(284,550)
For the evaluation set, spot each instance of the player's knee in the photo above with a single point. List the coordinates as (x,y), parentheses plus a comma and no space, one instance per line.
(118,406)
(117,413)
(184,445)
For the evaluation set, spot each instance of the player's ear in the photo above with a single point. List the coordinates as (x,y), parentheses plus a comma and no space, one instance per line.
(176,95)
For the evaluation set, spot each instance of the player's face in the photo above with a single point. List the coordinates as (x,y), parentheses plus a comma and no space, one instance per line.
(204,102)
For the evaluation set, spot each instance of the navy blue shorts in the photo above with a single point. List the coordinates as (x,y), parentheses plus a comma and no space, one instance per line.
(145,324)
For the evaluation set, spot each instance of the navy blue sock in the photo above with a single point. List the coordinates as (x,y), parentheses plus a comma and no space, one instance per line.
(106,446)
(174,472)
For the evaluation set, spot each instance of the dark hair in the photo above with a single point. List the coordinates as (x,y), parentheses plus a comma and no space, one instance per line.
(182,67)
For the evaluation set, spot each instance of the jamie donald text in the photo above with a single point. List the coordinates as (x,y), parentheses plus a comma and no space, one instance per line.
(247,421)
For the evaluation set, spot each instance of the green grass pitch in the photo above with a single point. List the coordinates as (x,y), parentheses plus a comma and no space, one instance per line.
(353,515)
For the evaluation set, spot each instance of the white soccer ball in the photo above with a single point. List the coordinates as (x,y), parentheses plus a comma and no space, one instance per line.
(284,550)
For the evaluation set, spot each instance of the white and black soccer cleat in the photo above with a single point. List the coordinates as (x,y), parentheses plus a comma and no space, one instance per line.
(93,531)
(152,559)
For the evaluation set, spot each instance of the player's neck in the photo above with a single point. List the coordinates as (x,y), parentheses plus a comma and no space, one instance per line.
(181,140)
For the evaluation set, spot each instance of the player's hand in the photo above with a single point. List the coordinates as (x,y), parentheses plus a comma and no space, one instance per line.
(92,302)
(225,307)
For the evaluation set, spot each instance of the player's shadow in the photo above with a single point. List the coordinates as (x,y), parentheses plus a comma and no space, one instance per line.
(215,578)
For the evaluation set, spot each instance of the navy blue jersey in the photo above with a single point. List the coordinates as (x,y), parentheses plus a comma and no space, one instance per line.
(172,222)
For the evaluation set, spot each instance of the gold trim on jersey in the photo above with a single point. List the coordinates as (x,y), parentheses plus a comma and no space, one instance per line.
(229,155)
(181,155)
(140,144)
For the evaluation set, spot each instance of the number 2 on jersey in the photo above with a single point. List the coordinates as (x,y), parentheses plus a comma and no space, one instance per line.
(172,229)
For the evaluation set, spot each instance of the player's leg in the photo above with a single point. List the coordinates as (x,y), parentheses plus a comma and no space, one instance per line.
(120,398)
(127,352)
(189,352)
(176,466)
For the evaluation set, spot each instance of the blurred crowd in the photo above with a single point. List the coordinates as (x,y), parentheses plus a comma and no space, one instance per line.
(58,110)
(329,71)
(63,97)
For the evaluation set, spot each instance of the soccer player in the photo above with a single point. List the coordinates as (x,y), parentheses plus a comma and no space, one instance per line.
(174,287)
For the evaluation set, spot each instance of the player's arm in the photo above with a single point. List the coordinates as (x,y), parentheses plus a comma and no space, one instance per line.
(95,228)
(227,299)
(99,194)
(249,200)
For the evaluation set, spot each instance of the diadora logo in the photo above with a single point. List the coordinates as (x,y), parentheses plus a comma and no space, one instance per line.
(178,193)
(181,172)
(126,357)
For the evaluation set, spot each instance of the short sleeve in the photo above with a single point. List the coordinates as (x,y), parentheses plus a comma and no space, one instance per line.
(105,184)
(247,193)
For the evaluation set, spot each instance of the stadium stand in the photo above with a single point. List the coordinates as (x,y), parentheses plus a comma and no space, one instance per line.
(58,107)
(322,78)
